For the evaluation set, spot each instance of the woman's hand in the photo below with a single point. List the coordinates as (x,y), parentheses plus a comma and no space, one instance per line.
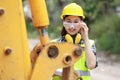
(83,29)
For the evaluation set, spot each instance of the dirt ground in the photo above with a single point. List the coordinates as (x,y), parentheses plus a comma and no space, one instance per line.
(108,67)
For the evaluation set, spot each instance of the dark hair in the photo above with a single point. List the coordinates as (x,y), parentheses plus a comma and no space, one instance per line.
(69,15)
(65,16)
(63,31)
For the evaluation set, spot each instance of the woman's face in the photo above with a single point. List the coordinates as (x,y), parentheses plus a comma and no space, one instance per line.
(71,24)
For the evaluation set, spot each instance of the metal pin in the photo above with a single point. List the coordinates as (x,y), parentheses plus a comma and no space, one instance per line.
(2,12)
(78,52)
(7,51)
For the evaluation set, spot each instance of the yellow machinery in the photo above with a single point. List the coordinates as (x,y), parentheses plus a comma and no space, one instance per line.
(15,62)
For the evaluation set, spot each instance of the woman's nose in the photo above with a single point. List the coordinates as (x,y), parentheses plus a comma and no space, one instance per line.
(72,26)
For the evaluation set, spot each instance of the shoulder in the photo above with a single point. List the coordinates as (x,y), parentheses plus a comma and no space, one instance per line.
(92,42)
(82,42)
(57,40)
(54,40)
(93,47)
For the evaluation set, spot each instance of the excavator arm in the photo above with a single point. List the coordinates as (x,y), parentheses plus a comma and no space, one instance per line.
(15,61)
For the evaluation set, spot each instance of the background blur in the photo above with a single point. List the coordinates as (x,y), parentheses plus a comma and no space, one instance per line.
(103,20)
(102,17)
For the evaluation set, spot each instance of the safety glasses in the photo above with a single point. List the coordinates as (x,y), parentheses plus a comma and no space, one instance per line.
(70,25)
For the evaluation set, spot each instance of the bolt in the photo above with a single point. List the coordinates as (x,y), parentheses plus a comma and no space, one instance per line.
(7,51)
(53,52)
(2,12)
(78,52)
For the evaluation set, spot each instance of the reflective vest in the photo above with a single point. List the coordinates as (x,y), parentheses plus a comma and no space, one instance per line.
(80,65)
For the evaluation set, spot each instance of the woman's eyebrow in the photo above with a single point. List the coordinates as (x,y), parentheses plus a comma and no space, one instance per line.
(68,19)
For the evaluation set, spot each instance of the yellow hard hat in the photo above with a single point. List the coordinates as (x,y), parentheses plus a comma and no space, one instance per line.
(72,9)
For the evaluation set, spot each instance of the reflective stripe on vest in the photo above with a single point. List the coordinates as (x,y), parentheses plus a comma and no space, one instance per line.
(83,73)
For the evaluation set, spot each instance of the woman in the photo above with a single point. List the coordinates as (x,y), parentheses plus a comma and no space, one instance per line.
(75,28)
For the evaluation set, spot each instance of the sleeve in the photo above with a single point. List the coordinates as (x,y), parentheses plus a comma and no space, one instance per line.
(93,47)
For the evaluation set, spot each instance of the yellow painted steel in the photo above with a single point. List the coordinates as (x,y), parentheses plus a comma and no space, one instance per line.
(40,19)
(14,55)
(46,64)
(39,13)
